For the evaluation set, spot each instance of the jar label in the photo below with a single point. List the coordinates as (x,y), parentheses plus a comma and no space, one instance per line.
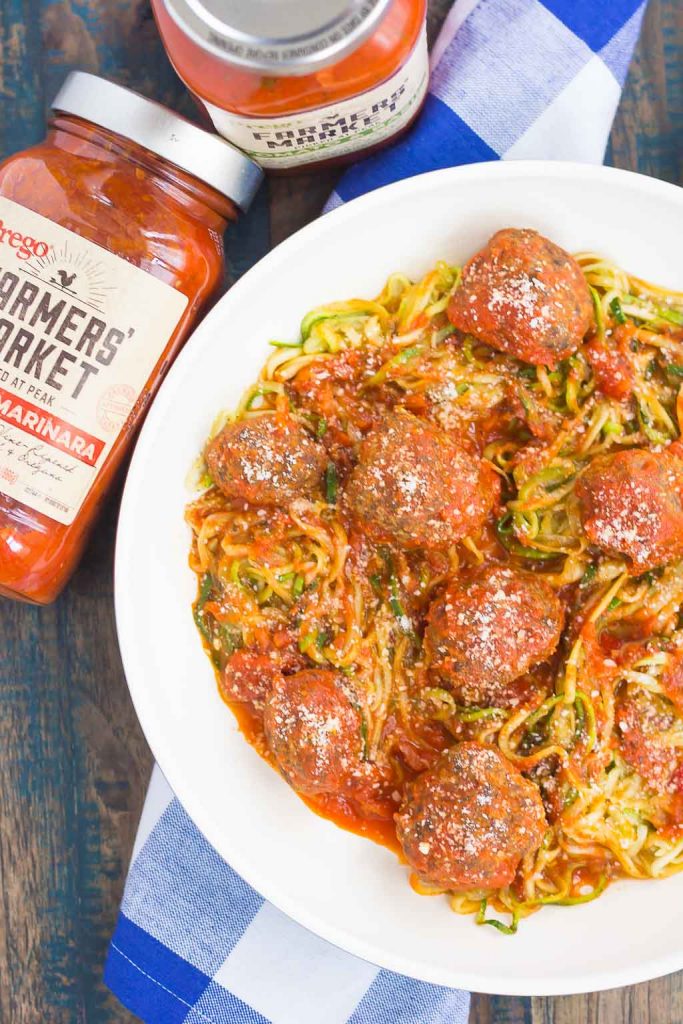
(331,131)
(81,331)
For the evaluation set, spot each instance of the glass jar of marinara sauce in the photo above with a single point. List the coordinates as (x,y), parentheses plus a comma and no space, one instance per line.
(110,251)
(300,82)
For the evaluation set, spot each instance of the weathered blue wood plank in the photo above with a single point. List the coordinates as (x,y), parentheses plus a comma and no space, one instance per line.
(648,131)
(21,90)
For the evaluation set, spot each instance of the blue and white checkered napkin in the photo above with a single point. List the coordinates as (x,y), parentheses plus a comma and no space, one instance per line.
(194,943)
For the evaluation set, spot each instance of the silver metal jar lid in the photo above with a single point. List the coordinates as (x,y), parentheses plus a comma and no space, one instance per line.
(281,36)
(152,126)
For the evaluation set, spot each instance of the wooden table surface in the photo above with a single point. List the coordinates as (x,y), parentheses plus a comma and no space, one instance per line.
(73,763)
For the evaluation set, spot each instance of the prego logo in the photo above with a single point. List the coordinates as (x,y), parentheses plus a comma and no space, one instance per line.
(24,245)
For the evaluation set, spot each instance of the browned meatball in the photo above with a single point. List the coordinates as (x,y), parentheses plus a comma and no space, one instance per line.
(487,629)
(414,484)
(468,821)
(316,736)
(248,677)
(268,460)
(631,505)
(641,720)
(524,295)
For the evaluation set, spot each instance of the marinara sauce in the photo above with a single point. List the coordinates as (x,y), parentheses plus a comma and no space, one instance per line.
(110,251)
(296,83)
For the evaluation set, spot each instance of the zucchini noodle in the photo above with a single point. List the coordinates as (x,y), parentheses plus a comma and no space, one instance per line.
(302,579)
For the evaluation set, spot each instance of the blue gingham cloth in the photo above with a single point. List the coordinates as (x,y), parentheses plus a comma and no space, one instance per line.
(194,943)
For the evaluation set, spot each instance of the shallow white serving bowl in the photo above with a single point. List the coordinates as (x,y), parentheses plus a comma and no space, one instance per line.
(344,888)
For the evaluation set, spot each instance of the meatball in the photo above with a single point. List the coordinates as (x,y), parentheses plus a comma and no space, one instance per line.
(524,295)
(414,484)
(630,504)
(468,821)
(248,677)
(315,734)
(486,630)
(641,719)
(268,460)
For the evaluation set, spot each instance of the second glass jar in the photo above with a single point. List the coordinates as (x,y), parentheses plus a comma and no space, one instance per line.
(301,82)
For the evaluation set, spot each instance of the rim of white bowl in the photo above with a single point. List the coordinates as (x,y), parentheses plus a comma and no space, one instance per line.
(547,983)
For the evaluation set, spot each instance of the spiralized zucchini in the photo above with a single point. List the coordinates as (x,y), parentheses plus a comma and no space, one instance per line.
(299,575)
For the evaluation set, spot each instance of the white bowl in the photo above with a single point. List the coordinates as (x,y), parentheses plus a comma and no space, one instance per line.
(347,889)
